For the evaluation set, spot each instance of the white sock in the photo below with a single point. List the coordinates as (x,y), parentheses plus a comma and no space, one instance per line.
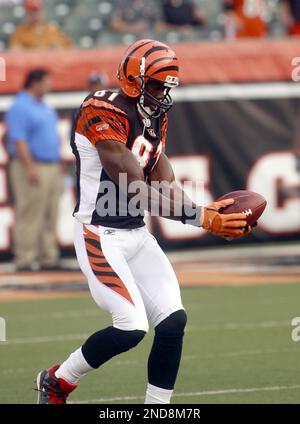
(73,368)
(157,395)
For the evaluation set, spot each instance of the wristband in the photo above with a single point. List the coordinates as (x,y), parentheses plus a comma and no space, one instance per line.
(191,215)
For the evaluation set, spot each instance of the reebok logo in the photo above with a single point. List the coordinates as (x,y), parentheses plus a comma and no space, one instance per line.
(102,127)
(151,132)
(110,232)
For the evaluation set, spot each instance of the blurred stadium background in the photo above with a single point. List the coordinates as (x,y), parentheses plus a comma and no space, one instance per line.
(234,125)
(89,26)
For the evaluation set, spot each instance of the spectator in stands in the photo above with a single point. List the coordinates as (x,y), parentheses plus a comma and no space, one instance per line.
(291,16)
(97,81)
(182,15)
(245,18)
(33,146)
(136,17)
(35,32)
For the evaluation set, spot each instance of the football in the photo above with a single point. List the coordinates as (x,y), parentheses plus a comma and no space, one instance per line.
(247,202)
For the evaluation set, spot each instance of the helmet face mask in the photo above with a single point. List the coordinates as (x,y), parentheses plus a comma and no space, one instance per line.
(147,72)
(156,97)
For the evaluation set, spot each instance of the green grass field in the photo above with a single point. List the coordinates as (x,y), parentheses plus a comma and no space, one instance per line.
(238,348)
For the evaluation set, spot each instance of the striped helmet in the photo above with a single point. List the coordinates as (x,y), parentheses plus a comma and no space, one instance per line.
(147,60)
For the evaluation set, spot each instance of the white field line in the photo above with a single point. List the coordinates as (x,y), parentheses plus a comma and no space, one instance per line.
(238,353)
(45,339)
(239,326)
(213,327)
(262,251)
(58,315)
(12,371)
(195,394)
(246,325)
(98,313)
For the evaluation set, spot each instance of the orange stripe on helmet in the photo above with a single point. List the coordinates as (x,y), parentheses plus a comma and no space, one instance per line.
(156,55)
(161,59)
(139,47)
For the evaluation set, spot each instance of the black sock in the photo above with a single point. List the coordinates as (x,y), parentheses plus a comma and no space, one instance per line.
(165,355)
(104,344)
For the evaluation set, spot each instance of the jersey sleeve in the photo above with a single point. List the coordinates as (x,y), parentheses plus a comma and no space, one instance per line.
(100,121)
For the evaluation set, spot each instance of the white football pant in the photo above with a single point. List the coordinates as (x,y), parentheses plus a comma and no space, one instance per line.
(128,274)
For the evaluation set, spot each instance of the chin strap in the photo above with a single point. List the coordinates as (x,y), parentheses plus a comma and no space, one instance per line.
(145,112)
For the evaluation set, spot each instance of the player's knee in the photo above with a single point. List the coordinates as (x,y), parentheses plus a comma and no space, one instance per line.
(126,340)
(173,326)
(136,321)
(109,342)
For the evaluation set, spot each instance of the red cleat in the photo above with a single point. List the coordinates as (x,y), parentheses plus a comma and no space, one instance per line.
(52,390)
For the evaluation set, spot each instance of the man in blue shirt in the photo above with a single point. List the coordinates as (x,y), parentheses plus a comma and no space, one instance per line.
(33,145)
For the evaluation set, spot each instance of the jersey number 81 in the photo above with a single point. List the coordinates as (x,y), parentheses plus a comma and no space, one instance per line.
(142,150)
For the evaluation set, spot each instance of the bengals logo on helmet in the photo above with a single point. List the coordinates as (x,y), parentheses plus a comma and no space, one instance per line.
(146,59)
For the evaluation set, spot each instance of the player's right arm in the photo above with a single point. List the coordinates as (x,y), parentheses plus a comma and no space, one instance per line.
(228,226)
(117,159)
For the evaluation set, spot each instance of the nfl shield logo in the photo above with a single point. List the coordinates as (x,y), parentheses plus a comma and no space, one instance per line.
(151,132)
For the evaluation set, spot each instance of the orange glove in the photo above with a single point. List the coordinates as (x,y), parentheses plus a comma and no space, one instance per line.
(229,226)
(248,230)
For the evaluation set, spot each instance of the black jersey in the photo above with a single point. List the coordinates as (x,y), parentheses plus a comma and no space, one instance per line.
(109,115)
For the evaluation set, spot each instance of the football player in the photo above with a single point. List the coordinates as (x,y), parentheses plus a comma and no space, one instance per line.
(129,276)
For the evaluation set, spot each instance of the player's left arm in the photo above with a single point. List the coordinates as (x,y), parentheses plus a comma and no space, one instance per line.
(163,173)
(163,170)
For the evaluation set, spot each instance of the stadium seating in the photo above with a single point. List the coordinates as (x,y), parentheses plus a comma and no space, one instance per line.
(88,25)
